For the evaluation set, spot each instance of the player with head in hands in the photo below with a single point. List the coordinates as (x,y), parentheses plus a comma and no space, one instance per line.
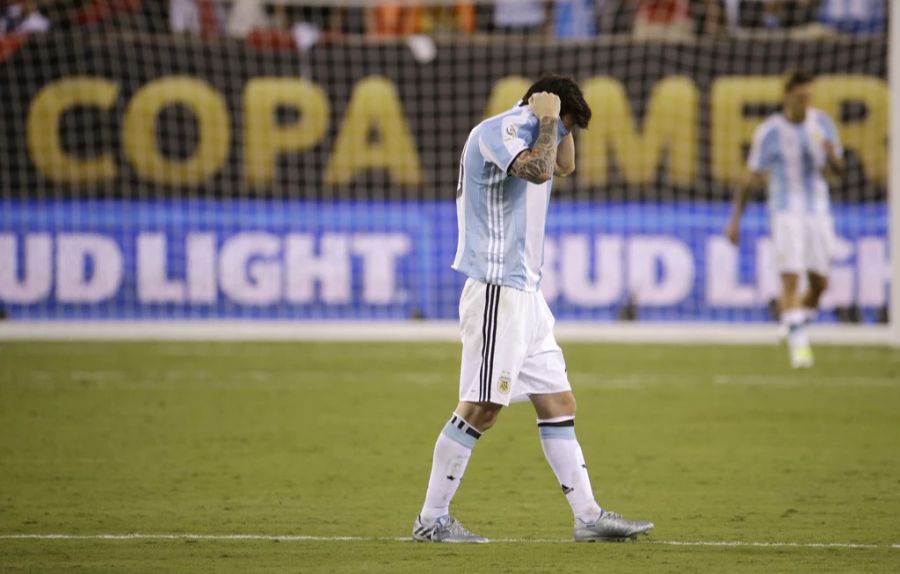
(509,351)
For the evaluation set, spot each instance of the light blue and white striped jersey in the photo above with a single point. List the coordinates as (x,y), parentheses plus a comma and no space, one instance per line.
(501,217)
(794,155)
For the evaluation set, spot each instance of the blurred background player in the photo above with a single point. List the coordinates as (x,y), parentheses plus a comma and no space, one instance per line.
(509,351)
(794,148)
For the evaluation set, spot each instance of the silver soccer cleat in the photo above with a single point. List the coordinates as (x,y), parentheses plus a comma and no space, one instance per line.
(610,527)
(444,529)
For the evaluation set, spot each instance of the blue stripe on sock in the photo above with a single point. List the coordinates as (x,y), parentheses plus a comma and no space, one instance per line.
(557,432)
(460,436)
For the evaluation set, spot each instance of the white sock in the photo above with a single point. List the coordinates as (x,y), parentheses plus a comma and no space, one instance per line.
(567,461)
(795,320)
(451,455)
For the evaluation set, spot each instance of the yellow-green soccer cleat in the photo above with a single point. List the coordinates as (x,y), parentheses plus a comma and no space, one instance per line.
(610,527)
(444,529)
(802,357)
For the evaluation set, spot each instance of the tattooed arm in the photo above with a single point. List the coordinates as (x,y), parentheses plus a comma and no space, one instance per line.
(536,164)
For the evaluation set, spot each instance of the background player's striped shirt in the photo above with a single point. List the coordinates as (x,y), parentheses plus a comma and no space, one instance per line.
(501,217)
(794,155)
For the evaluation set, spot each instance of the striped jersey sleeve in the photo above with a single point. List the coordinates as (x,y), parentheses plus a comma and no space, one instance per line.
(504,138)
(830,130)
(764,147)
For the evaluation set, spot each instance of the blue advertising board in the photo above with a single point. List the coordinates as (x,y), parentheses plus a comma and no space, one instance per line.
(294,259)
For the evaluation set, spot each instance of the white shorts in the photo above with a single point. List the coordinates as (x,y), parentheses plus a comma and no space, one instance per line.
(509,351)
(803,242)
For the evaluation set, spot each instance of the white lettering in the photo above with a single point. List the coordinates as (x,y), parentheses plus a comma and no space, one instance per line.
(201,268)
(247,271)
(380,253)
(723,283)
(153,283)
(660,270)
(578,286)
(874,271)
(37,275)
(74,251)
(330,269)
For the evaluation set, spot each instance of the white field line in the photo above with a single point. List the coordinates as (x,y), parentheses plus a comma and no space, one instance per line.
(305,538)
(786,381)
(420,331)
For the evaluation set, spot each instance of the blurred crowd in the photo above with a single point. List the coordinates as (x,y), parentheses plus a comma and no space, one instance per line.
(305,23)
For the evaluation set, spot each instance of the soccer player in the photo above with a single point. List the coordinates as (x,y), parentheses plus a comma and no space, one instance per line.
(794,148)
(509,351)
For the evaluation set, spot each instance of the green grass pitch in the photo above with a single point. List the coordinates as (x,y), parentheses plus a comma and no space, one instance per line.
(331,440)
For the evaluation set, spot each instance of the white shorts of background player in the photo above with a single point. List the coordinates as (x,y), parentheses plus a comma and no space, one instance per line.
(803,243)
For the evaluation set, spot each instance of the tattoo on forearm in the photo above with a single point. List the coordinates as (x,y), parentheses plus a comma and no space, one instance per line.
(537,164)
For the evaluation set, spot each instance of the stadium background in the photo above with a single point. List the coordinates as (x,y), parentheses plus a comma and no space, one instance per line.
(196,177)
(293,184)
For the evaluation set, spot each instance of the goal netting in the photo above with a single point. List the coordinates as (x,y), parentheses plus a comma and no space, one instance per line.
(287,160)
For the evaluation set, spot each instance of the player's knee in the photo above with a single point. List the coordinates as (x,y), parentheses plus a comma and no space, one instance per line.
(571,405)
(554,405)
(487,421)
(565,404)
(482,416)
(486,417)
(789,283)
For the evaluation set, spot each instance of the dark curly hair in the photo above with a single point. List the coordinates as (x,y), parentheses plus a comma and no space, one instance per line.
(570,97)
(794,78)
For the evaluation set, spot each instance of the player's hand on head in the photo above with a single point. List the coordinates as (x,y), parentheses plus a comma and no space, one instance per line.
(544,104)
